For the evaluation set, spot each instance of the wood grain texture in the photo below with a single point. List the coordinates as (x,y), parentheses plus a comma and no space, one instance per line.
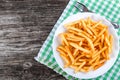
(24,26)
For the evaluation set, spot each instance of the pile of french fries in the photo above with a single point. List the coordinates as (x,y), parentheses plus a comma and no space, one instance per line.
(86,45)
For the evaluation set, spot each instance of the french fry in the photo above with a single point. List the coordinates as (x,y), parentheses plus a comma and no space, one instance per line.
(80,43)
(73,37)
(82,64)
(70,54)
(106,54)
(59,48)
(93,59)
(89,21)
(79,47)
(102,38)
(101,32)
(96,44)
(96,25)
(72,23)
(103,54)
(66,65)
(96,40)
(83,24)
(99,51)
(76,31)
(83,70)
(89,31)
(76,52)
(83,60)
(98,64)
(98,58)
(96,67)
(107,41)
(64,39)
(92,30)
(111,39)
(65,59)
(61,51)
(78,63)
(79,57)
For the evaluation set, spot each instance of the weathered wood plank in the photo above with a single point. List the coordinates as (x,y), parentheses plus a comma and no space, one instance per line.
(24,26)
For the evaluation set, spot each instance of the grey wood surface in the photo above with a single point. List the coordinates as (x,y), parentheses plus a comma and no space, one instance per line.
(24,26)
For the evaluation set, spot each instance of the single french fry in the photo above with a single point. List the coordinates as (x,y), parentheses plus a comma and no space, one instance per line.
(79,47)
(96,25)
(83,70)
(111,43)
(103,54)
(89,20)
(82,64)
(101,32)
(80,43)
(74,38)
(95,64)
(74,67)
(76,59)
(100,46)
(98,59)
(108,57)
(93,59)
(77,25)
(65,58)
(102,61)
(88,56)
(75,52)
(87,68)
(99,51)
(59,48)
(107,41)
(98,63)
(111,39)
(62,51)
(77,63)
(71,23)
(64,39)
(96,40)
(107,54)
(102,38)
(66,65)
(84,25)
(89,31)
(96,67)
(76,31)
(70,54)
(96,44)
(83,60)
(92,30)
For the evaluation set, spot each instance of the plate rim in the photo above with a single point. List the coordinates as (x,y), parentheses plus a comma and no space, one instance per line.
(58,52)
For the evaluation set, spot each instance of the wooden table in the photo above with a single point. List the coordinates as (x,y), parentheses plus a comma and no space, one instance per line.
(24,26)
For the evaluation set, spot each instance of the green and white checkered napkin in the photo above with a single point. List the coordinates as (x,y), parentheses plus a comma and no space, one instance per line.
(107,8)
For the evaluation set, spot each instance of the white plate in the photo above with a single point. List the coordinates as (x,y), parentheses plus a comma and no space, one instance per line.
(103,69)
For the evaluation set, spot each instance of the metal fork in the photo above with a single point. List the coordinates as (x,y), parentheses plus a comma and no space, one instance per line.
(82,8)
